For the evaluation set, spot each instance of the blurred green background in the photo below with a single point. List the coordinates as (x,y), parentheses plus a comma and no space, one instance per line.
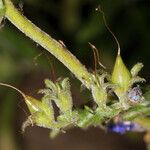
(76,23)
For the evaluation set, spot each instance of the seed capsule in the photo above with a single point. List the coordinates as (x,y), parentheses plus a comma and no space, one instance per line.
(121,75)
(32,104)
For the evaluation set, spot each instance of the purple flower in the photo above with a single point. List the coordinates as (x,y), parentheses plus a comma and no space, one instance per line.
(123,127)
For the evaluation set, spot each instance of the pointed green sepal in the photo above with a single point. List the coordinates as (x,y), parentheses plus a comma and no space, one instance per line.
(136,68)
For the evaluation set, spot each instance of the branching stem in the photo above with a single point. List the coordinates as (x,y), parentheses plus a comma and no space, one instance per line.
(51,45)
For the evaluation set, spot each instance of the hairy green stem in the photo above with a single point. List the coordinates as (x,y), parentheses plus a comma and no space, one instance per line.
(60,51)
(136,112)
(57,49)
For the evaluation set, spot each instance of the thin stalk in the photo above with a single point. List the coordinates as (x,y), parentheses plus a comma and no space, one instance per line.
(51,45)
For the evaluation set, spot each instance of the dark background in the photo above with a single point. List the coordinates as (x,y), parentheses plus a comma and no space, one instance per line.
(76,23)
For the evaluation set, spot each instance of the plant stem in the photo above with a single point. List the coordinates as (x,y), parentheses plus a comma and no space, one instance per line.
(136,112)
(51,45)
